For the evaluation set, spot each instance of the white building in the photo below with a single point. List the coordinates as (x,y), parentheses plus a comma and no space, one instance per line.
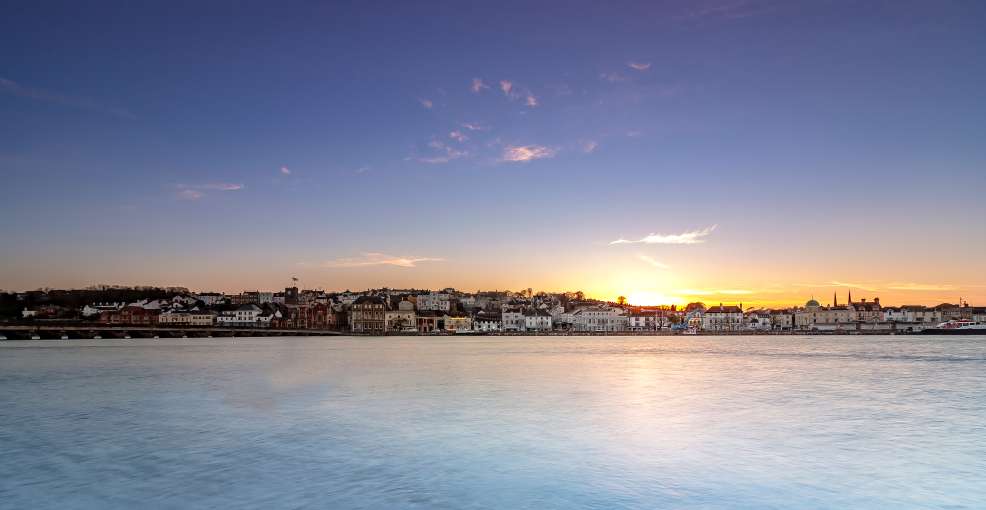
(210,298)
(537,320)
(439,302)
(401,319)
(244,316)
(599,319)
(514,321)
(723,318)
(642,322)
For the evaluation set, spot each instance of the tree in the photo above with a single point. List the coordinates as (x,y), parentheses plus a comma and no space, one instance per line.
(622,300)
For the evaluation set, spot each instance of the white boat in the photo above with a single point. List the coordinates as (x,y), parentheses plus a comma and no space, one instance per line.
(957,327)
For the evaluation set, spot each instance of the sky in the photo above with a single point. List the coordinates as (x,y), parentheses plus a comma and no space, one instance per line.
(739,151)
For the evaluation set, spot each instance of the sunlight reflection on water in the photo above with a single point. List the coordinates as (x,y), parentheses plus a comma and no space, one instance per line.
(752,422)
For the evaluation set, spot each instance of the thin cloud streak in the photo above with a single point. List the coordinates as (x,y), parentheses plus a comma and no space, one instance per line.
(525,153)
(653,262)
(639,66)
(426,103)
(922,287)
(378,259)
(589,146)
(285,170)
(198,191)
(715,292)
(16,89)
(691,237)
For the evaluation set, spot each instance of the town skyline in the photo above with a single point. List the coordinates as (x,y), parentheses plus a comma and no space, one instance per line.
(838,296)
(755,151)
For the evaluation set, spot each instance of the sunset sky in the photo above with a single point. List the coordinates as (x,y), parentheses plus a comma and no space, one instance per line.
(761,152)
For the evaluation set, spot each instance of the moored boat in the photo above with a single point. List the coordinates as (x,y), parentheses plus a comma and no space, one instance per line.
(957,327)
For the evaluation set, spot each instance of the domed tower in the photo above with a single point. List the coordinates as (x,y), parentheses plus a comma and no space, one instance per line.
(812,304)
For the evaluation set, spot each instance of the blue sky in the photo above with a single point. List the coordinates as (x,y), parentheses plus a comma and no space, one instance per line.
(233,145)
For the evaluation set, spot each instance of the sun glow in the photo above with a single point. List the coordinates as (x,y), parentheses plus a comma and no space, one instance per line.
(650,298)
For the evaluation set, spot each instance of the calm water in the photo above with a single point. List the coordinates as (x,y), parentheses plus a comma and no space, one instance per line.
(781,422)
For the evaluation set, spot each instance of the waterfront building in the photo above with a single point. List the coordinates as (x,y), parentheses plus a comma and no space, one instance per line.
(131,315)
(537,320)
(429,321)
(186,318)
(758,320)
(866,311)
(723,318)
(487,321)
(368,315)
(599,319)
(641,321)
(401,319)
(513,320)
(457,323)
(243,317)
(815,316)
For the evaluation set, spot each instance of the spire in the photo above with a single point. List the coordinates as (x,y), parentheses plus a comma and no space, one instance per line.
(850,296)
(835,299)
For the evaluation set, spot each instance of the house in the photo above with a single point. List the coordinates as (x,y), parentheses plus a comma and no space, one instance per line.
(487,321)
(599,319)
(429,321)
(457,323)
(436,301)
(368,315)
(642,321)
(758,320)
(186,318)
(537,320)
(130,315)
(245,316)
(210,298)
(723,318)
(401,319)
(514,320)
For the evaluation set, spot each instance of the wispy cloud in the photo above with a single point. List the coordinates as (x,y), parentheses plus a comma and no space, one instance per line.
(474,126)
(612,77)
(478,85)
(589,146)
(633,133)
(189,194)
(197,191)
(524,153)
(426,103)
(13,88)
(445,153)
(378,259)
(507,87)
(854,285)
(728,9)
(458,136)
(531,100)
(921,286)
(691,237)
(363,169)
(650,260)
(639,66)
(715,292)
(285,170)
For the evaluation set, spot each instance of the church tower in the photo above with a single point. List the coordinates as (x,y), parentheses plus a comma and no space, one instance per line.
(835,299)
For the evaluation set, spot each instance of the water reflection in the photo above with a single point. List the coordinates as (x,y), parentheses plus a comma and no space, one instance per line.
(495,423)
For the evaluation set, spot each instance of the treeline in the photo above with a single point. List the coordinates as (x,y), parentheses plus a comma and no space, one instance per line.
(12,303)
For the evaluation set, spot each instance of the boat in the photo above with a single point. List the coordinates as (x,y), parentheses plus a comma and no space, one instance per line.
(957,327)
